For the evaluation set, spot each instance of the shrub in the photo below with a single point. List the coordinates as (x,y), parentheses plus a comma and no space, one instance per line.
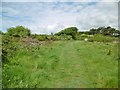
(68,31)
(10,45)
(18,31)
(102,38)
(65,37)
(82,36)
(41,37)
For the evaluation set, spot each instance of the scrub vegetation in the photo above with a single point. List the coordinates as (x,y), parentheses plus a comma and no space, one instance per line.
(66,59)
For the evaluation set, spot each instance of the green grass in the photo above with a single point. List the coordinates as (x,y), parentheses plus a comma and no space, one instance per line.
(64,64)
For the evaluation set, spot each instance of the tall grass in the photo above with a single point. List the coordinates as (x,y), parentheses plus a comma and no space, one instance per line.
(63,64)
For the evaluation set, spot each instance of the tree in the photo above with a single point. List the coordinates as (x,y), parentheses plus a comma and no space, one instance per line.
(105,31)
(10,42)
(18,31)
(68,31)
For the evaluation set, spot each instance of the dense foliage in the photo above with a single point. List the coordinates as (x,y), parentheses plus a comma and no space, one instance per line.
(105,31)
(68,31)
(40,37)
(30,63)
(11,41)
(18,31)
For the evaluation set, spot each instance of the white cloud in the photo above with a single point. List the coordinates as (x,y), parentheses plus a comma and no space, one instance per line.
(52,17)
(101,14)
(43,29)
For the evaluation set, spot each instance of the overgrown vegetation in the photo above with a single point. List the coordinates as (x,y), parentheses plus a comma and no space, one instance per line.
(69,31)
(11,41)
(63,59)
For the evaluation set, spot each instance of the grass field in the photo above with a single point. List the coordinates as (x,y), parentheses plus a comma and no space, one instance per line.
(64,64)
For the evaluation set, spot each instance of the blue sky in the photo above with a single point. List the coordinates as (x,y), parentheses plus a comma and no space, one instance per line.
(47,17)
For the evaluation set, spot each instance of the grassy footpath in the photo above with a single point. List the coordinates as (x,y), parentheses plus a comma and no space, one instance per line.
(64,64)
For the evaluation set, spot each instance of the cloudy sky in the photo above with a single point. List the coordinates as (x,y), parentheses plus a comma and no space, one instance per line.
(54,15)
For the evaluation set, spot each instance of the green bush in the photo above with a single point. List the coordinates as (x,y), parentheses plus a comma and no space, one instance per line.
(18,31)
(65,37)
(102,38)
(61,37)
(78,36)
(10,45)
(68,31)
(41,37)
(82,36)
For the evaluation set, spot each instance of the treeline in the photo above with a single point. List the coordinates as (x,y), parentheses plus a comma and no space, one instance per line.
(108,31)
(67,33)
(105,31)
(70,33)
(11,40)
(21,31)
